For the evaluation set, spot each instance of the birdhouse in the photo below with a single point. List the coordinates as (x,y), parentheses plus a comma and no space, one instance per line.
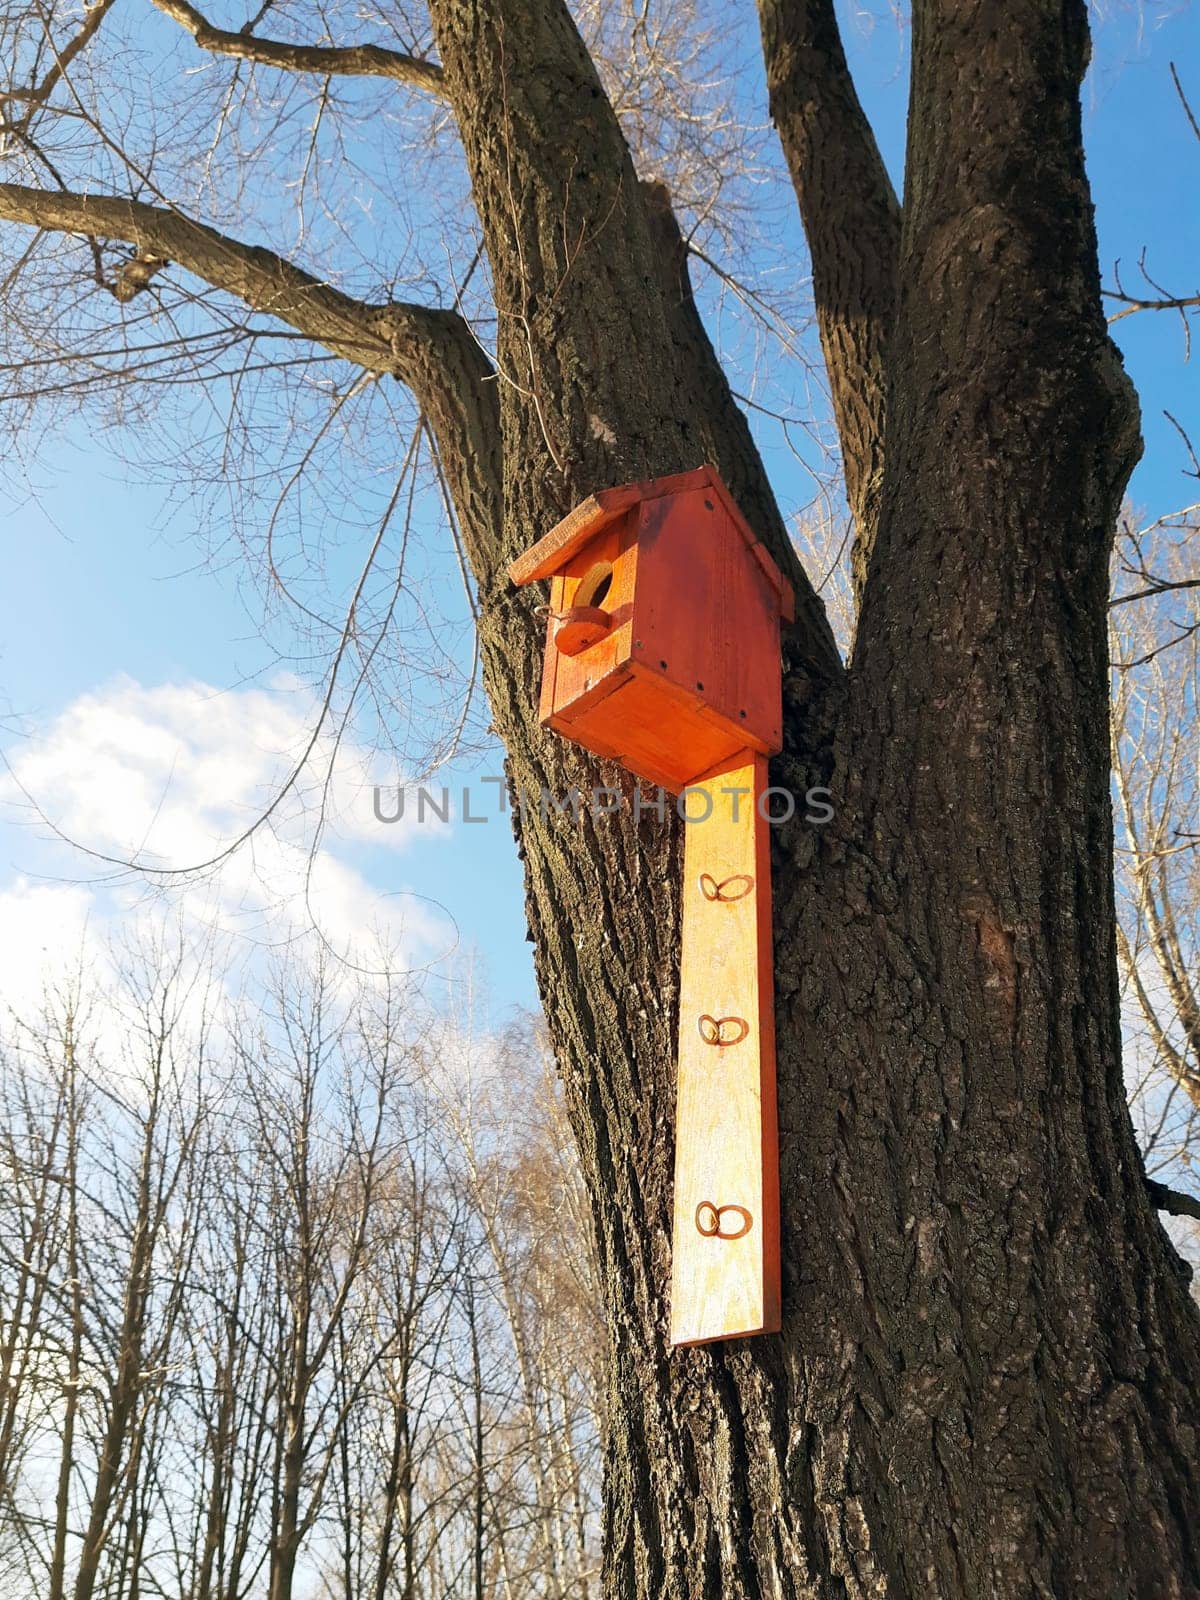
(663,652)
(663,644)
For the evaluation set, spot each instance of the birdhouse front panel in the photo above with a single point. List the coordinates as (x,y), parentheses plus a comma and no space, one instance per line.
(600,578)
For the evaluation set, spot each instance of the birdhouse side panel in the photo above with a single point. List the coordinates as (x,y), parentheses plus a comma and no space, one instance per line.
(706,616)
(750,676)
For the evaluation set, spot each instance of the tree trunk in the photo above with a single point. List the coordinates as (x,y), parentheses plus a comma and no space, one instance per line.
(124,1384)
(57,1580)
(988,1376)
(987,1380)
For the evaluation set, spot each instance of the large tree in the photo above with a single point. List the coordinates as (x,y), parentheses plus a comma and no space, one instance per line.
(988,1377)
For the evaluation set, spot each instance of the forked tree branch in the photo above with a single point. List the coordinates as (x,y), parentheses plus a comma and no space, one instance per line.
(369,335)
(1132,303)
(852,223)
(739,460)
(432,351)
(37,94)
(359,60)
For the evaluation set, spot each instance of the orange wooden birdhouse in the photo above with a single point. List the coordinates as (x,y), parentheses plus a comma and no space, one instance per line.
(663,645)
(663,652)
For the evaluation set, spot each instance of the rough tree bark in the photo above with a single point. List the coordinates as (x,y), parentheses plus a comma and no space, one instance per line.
(988,1376)
(852,222)
(989,1369)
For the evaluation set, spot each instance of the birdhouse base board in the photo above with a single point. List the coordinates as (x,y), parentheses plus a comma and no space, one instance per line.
(660,732)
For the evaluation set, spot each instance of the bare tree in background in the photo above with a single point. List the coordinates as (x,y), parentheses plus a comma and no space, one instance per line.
(41,1122)
(534,1284)
(988,1376)
(118,1152)
(253,1337)
(1156,744)
(1154,627)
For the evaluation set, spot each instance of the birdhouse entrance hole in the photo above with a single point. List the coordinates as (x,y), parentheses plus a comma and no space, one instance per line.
(585,622)
(594,585)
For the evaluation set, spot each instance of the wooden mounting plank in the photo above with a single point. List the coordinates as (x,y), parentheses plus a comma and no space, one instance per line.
(725,1260)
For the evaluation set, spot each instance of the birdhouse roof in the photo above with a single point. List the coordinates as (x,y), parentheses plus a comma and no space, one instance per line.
(552,552)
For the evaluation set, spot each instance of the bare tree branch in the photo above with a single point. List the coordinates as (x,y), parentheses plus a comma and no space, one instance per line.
(37,94)
(371,336)
(1132,303)
(431,350)
(1183,99)
(1171,1201)
(852,222)
(360,60)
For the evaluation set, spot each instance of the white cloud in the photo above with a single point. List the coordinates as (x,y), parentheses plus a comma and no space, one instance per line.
(43,930)
(168,776)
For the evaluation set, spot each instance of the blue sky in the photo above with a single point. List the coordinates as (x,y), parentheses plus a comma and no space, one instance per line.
(139,695)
